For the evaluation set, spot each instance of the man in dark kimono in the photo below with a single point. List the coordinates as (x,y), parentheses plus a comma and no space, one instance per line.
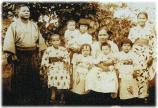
(22,44)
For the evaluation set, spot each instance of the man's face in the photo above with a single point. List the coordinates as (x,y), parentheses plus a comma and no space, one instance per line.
(24,12)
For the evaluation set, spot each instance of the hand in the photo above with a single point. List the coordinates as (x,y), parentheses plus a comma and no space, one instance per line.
(12,59)
(77,79)
(89,66)
(130,89)
(135,74)
(114,95)
(150,61)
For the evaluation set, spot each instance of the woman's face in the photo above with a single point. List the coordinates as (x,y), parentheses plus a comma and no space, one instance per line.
(103,36)
(142,19)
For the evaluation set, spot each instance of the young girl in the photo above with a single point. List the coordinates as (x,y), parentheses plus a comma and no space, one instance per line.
(55,66)
(144,61)
(128,88)
(102,78)
(82,64)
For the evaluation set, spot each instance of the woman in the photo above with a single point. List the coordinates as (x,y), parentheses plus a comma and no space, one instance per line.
(143,38)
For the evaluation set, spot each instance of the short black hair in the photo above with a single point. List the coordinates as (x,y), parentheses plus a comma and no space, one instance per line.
(22,5)
(105,44)
(126,41)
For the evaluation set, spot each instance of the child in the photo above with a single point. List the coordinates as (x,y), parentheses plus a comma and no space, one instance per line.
(144,61)
(125,64)
(84,38)
(71,36)
(102,78)
(82,64)
(55,66)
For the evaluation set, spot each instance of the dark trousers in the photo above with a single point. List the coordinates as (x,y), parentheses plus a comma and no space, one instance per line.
(25,79)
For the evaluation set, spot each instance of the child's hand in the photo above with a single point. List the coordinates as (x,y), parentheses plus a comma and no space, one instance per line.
(114,95)
(89,66)
(135,74)
(77,79)
(150,61)
(130,89)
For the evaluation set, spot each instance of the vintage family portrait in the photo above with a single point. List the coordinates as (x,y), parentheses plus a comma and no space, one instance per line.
(78,53)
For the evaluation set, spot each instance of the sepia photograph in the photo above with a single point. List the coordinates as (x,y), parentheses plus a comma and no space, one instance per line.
(75,53)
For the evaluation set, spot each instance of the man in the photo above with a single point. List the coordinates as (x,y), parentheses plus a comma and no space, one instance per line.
(22,44)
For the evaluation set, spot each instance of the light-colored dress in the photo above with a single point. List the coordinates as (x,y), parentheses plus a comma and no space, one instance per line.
(85,39)
(72,38)
(102,81)
(81,69)
(58,76)
(126,75)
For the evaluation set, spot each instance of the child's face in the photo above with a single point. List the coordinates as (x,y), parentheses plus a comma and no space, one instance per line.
(142,19)
(106,50)
(86,51)
(83,28)
(103,36)
(55,40)
(71,25)
(126,47)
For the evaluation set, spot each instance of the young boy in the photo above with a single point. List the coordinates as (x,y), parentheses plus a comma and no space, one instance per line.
(54,65)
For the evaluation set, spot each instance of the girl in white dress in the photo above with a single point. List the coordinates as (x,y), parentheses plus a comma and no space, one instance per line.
(128,88)
(54,65)
(82,65)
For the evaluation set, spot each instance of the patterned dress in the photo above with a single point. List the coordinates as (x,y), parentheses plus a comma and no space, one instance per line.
(58,75)
(142,56)
(126,75)
(102,81)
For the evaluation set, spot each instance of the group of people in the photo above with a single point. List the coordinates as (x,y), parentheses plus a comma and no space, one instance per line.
(82,65)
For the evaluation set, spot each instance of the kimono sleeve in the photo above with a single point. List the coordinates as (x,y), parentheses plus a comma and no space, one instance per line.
(9,40)
(42,45)
(45,58)
(66,56)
